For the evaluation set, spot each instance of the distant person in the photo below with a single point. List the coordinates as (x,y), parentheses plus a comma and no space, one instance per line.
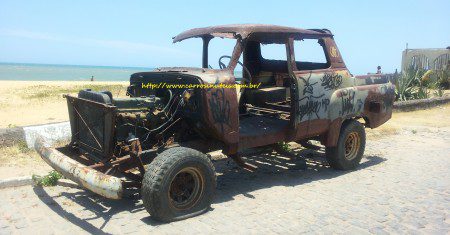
(379,69)
(92,78)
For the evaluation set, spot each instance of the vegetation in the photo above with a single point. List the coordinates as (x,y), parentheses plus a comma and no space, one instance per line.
(417,83)
(45,91)
(18,154)
(23,147)
(443,79)
(411,85)
(283,146)
(51,179)
(439,92)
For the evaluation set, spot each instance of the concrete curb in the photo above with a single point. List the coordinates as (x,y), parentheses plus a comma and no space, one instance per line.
(11,136)
(28,180)
(411,105)
(51,133)
(16,182)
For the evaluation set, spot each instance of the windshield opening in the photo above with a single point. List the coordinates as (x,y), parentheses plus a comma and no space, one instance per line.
(219,52)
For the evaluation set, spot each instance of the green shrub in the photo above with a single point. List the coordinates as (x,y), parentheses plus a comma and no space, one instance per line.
(284,146)
(11,125)
(439,92)
(443,79)
(48,180)
(412,83)
(23,147)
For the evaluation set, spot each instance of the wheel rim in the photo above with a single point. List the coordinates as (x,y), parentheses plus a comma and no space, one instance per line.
(186,188)
(352,144)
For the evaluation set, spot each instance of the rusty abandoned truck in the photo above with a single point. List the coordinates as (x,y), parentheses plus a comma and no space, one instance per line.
(157,140)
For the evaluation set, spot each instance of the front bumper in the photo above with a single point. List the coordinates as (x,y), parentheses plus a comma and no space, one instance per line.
(105,185)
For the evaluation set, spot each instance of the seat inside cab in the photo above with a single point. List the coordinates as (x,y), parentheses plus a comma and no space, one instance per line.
(273,75)
(266,108)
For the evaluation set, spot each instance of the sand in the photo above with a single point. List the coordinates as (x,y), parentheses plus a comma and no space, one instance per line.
(24,103)
(413,122)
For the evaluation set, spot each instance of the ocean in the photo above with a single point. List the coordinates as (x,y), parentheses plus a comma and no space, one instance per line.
(50,72)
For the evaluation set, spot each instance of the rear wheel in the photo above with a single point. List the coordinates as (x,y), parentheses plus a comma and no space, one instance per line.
(350,147)
(178,184)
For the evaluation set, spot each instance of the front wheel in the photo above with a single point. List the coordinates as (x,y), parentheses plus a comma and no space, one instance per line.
(178,184)
(350,147)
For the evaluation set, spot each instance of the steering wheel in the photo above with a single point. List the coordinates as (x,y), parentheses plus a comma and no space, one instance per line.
(222,66)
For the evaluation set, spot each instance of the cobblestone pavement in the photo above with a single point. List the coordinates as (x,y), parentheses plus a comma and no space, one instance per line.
(402,186)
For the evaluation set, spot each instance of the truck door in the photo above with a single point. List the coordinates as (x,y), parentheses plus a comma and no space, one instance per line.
(315,81)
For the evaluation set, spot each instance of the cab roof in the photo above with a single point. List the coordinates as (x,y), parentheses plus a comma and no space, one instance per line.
(261,32)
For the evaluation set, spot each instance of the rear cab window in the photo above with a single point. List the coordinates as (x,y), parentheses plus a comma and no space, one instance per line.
(310,54)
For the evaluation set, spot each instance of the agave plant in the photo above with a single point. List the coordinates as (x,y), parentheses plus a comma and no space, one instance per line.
(443,78)
(411,84)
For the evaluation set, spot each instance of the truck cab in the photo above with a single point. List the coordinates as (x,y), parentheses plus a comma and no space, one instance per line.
(296,99)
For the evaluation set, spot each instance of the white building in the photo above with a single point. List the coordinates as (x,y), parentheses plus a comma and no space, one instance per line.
(435,59)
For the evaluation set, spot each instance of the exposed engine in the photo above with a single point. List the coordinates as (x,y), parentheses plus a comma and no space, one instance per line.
(148,118)
(107,127)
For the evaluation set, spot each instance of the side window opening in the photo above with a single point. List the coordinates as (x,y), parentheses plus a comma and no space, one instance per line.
(273,52)
(310,54)
(274,58)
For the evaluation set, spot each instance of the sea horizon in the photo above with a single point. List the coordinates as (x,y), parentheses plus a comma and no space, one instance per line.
(76,65)
(15,71)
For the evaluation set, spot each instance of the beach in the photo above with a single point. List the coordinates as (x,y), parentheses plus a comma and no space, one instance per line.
(24,103)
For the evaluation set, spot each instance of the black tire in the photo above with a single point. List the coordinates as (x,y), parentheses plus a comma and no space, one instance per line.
(347,154)
(169,178)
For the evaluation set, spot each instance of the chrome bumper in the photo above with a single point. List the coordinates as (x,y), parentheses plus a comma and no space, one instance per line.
(99,183)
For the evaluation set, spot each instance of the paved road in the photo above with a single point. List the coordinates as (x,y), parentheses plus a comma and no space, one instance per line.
(402,186)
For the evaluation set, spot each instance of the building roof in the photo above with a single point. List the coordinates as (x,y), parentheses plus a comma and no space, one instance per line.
(245,30)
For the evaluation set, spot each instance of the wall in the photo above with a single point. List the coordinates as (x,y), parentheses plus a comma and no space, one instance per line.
(435,59)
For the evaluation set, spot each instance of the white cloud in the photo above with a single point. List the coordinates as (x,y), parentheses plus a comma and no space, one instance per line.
(127,46)
(28,34)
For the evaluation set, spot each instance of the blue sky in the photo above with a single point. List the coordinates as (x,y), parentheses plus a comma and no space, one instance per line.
(138,33)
